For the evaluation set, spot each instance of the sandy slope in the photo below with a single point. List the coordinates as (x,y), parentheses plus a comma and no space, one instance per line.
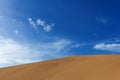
(104,67)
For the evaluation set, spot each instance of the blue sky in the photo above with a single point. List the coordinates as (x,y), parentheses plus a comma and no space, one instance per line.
(37,30)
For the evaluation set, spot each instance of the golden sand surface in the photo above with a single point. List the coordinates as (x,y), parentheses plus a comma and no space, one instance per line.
(96,67)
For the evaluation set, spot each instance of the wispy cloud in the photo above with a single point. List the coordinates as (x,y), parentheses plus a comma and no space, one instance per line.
(58,45)
(102,20)
(8,20)
(76,45)
(31,22)
(13,52)
(3,19)
(34,23)
(16,32)
(46,27)
(114,47)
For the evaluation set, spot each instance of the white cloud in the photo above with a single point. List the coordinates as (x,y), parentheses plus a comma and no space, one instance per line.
(58,45)
(13,52)
(109,47)
(46,27)
(41,22)
(31,22)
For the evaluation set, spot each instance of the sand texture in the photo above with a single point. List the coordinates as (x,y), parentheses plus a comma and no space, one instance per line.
(97,67)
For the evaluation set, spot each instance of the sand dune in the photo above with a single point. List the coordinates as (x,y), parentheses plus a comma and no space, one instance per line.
(100,67)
